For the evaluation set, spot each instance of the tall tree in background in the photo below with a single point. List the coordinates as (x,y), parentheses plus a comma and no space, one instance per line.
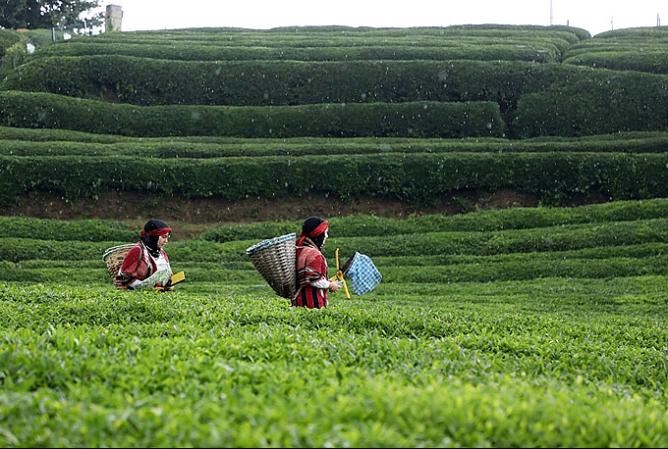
(13,14)
(47,13)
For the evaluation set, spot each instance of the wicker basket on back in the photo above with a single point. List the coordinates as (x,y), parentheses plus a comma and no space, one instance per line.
(113,258)
(275,260)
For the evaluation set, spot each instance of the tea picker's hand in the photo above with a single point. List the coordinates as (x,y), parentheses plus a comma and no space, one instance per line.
(159,278)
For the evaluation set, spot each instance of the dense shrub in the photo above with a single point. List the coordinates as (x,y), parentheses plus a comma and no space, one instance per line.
(645,61)
(144,81)
(7,39)
(553,177)
(418,119)
(606,101)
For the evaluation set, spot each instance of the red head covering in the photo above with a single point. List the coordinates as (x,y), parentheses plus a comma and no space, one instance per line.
(312,228)
(155,228)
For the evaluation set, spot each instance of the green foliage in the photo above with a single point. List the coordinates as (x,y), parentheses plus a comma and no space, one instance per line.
(204,52)
(50,229)
(493,42)
(607,101)
(136,371)
(432,243)
(481,221)
(529,327)
(148,81)
(43,13)
(7,39)
(418,119)
(647,61)
(13,57)
(552,177)
(55,142)
(641,49)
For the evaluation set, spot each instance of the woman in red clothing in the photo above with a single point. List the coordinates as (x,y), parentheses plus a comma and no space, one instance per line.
(312,281)
(146,265)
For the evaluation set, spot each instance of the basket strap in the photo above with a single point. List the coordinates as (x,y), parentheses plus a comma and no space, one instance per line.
(140,258)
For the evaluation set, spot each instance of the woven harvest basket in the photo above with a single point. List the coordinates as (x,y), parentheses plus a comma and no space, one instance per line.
(275,260)
(113,258)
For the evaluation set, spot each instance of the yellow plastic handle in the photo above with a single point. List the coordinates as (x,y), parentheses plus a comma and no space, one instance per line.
(339,276)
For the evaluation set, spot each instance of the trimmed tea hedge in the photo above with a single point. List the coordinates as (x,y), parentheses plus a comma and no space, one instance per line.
(606,101)
(418,119)
(414,177)
(144,81)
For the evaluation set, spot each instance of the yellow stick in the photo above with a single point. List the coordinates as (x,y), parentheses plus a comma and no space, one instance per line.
(339,275)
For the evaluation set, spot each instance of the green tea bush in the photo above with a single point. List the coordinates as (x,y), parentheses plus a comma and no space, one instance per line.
(51,229)
(418,119)
(483,221)
(552,177)
(646,61)
(602,103)
(8,38)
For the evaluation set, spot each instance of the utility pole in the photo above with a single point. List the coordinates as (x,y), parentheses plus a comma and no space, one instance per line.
(551,16)
(658,20)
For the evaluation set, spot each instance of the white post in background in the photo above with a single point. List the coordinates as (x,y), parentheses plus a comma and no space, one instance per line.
(113,18)
(658,20)
(551,16)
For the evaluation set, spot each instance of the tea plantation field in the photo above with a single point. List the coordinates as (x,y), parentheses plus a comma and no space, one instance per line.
(522,327)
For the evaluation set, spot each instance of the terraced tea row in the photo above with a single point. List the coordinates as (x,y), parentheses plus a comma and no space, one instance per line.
(552,177)
(36,143)
(641,49)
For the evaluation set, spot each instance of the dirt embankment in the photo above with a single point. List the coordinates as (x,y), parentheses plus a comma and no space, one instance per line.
(126,206)
(195,215)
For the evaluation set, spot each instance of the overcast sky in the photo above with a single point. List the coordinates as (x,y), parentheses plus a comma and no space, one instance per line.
(593,15)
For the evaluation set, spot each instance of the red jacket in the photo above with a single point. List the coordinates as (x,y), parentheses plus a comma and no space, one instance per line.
(137,264)
(312,281)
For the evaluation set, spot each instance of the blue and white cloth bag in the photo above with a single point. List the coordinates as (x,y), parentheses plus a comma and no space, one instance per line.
(363,274)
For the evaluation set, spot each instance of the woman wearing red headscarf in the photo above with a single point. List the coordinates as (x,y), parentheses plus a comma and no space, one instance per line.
(146,265)
(312,281)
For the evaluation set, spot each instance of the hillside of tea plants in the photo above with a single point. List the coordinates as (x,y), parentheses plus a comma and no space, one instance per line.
(413,115)
(544,327)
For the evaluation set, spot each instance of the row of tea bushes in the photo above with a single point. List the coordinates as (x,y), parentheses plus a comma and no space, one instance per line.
(511,268)
(652,61)
(18,140)
(420,177)
(533,99)
(579,102)
(416,119)
(45,142)
(640,49)
(59,230)
(481,221)
(256,83)
(145,81)
(326,43)
(230,262)
(300,36)
(434,243)
(199,52)
(260,83)
(556,42)
(605,102)
(353,226)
